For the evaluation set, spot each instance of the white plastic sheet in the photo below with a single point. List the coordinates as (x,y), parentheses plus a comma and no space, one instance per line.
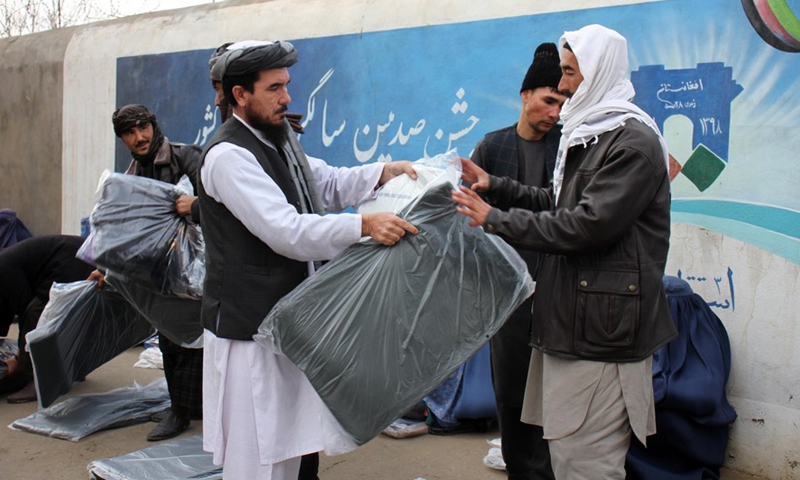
(399,192)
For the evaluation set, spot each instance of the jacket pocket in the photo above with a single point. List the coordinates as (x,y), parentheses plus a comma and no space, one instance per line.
(607,311)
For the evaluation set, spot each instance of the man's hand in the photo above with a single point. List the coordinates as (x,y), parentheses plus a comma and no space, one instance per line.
(394,169)
(472,205)
(294,121)
(386,228)
(184,205)
(99,277)
(474,175)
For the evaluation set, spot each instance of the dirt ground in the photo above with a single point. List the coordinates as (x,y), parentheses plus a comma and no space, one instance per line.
(26,456)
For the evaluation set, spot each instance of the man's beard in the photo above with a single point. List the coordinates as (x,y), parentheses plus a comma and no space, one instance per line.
(277,134)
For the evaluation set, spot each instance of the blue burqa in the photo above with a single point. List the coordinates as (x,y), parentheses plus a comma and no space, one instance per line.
(693,415)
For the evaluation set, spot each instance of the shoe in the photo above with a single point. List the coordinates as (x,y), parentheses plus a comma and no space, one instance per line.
(158,416)
(170,426)
(25,395)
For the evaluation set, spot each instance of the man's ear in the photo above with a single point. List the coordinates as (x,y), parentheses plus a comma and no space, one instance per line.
(239,94)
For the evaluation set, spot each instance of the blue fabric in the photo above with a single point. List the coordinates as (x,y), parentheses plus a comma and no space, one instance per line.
(466,393)
(692,410)
(442,399)
(476,398)
(12,230)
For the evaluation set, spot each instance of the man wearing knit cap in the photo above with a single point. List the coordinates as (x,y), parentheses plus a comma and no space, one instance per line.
(264,223)
(599,310)
(154,156)
(526,152)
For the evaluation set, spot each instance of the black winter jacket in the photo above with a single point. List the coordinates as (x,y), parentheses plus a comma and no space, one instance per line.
(599,294)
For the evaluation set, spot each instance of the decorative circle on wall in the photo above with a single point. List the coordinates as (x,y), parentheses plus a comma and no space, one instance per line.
(775,22)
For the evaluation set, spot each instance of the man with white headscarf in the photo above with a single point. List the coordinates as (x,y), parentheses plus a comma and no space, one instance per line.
(599,310)
(264,223)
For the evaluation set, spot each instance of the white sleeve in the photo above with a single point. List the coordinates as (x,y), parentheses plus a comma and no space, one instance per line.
(341,187)
(232,176)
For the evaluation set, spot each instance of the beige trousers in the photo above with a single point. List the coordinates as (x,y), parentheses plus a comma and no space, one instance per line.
(588,411)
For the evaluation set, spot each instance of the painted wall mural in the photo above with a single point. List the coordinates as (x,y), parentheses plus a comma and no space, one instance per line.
(776,21)
(719,77)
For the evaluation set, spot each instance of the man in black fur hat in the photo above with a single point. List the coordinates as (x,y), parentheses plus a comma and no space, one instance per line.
(525,151)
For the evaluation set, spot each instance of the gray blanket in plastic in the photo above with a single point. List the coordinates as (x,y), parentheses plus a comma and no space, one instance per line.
(136,231)
(82,415)
(379,327)
(80,329)
(177,318)
(180,459)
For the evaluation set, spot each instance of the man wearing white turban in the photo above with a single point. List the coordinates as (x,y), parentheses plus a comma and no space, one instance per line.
(599,310)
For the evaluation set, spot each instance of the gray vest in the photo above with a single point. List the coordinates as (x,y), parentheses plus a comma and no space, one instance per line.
(244,277)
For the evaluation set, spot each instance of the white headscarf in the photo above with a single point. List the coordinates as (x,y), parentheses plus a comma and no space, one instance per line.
(602,101)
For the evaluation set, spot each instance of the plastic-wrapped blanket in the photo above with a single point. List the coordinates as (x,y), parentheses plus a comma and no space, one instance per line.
(82,415)
(136,231)
(180,459)
(176,318)
(379,327)
(80,329)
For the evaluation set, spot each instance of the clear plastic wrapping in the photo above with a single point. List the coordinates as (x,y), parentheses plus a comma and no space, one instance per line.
(82,415)
(177,318)
(136,231)
(400,191)
(80,329)
(182,458)
(379,327)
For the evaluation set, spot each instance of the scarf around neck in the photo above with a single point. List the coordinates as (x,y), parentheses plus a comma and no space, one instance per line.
(602,102)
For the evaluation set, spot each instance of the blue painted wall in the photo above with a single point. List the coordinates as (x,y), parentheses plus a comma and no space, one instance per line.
(402,94)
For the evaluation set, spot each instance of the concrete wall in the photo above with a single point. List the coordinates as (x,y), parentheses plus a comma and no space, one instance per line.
(31,128)
(379,64)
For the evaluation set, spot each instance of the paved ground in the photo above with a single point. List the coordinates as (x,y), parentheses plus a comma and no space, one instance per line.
(25,456)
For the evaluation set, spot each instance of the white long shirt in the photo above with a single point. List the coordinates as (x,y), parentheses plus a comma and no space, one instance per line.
(232,176)
(258,407)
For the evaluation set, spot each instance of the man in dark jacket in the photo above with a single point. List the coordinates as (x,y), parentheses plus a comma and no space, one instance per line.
(526,152)
(27,271)
(154,156)
(599,310)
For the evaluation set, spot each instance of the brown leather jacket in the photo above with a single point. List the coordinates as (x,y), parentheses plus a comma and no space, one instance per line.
(599,294)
